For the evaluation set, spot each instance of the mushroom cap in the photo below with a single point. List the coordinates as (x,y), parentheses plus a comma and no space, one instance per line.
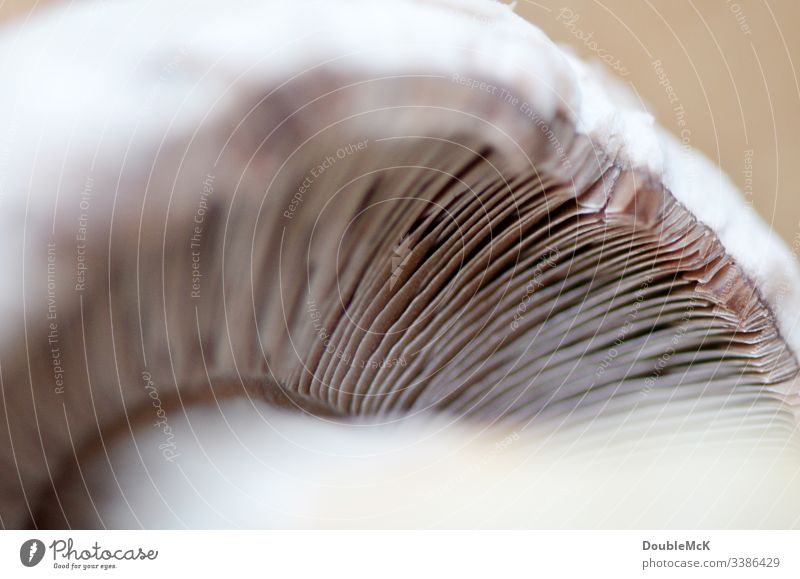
(122,115)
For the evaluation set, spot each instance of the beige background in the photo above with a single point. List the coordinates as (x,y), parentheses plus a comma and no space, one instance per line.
(732,64)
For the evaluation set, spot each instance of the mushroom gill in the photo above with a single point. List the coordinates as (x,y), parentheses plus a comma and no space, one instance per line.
(404,213)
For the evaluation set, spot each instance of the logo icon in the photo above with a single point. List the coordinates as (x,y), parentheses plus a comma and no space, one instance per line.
(31,553)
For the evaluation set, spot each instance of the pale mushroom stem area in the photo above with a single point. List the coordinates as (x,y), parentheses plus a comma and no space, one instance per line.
(366,240)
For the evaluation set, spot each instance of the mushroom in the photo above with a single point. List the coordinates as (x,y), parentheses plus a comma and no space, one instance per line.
(406,212)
